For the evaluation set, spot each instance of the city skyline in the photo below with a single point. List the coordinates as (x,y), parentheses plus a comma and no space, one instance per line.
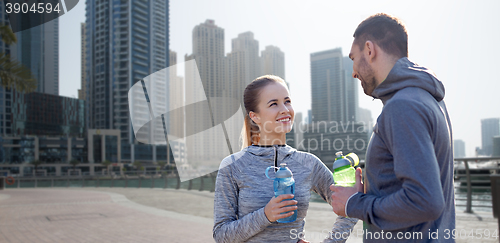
(470,27)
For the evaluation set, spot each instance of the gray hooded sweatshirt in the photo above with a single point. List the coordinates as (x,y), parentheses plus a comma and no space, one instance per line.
(409,162)
(242,191)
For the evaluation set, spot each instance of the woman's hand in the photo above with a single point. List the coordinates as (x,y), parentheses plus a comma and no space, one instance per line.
(276,206)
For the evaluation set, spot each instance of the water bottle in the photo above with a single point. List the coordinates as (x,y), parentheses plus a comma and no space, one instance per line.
(284,184)
(344,173)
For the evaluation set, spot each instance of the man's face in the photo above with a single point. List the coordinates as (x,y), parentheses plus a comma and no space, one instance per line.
(362,70)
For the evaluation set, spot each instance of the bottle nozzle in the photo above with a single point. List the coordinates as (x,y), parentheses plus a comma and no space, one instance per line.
(353,158)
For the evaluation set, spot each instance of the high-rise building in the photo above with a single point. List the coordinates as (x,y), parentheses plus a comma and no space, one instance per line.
(294,137)
(496,146)
(459,148)
(489,128)
(82,90)
(176,96)
(273,61)
(39,114)
(244,62)
(351,91)
(333,91)
(365,118)
(208,52)
(5,94)
(334,122)
(212,65)
(37,48)
(125,42)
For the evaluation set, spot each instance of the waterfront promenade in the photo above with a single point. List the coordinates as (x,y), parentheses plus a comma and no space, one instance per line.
(150,215)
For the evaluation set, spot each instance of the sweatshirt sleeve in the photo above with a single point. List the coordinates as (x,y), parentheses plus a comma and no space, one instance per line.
(322,179)
(406,129)
(227,226)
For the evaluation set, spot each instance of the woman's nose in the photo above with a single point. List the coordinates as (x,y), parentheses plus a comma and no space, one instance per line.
(285,109)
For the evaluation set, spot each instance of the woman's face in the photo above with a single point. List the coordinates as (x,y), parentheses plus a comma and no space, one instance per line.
(275,113)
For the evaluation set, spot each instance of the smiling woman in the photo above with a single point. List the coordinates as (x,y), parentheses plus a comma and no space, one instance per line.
(245,207)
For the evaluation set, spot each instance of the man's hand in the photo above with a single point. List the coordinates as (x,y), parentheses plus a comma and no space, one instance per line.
(341,194)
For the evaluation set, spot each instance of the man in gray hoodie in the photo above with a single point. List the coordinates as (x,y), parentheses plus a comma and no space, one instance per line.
(408,182)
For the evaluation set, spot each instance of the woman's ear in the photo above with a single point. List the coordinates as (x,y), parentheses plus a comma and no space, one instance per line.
(255,118)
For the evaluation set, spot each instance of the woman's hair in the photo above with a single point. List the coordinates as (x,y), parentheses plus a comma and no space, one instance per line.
(251,98)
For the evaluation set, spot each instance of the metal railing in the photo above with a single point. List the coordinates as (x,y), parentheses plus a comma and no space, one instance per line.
(163,179)
(482,167)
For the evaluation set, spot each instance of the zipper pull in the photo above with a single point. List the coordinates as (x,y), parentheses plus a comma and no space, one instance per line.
(275,158)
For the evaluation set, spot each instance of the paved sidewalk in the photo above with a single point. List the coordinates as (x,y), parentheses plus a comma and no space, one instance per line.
(149,215)
(69,215)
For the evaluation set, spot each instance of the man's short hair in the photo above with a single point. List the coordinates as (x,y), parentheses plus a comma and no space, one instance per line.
(388,32)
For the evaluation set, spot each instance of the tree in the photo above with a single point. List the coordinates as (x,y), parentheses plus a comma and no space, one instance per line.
(106,163)
(161,164)
(36,163)
(137,165)
(12,73)
(74,163)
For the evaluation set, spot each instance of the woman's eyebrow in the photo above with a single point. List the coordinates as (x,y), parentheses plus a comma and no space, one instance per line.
(275,100)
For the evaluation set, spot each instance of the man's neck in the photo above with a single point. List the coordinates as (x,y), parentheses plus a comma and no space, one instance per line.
(384,67)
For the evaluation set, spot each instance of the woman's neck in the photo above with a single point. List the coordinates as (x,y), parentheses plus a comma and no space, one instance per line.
(270,139)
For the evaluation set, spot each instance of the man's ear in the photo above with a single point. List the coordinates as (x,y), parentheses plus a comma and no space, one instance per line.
(370,51)
(255,118)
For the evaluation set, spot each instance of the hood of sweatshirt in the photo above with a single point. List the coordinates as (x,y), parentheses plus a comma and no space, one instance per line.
(268,153)
(406,73)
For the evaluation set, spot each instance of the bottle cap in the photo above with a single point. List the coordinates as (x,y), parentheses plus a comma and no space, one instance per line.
(283,172)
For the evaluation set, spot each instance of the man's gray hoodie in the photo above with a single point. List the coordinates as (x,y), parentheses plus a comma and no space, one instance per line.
(409,161)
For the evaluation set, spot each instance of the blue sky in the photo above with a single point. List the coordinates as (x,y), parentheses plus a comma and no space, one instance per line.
(457,39)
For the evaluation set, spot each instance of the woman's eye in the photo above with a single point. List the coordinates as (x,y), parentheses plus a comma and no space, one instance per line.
(272,104)
(288,101)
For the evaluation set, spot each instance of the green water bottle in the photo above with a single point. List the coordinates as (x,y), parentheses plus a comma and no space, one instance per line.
(344,173)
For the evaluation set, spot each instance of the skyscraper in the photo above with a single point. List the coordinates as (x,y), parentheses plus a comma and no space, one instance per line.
(125,42)
(458,148)
(208,53)
(334,105)
(489,128)
(5,95)
(364,117)
(244,61)
(273,61)
(37,48)
(176,96)
(351,89)
(333,91)
(82,90)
